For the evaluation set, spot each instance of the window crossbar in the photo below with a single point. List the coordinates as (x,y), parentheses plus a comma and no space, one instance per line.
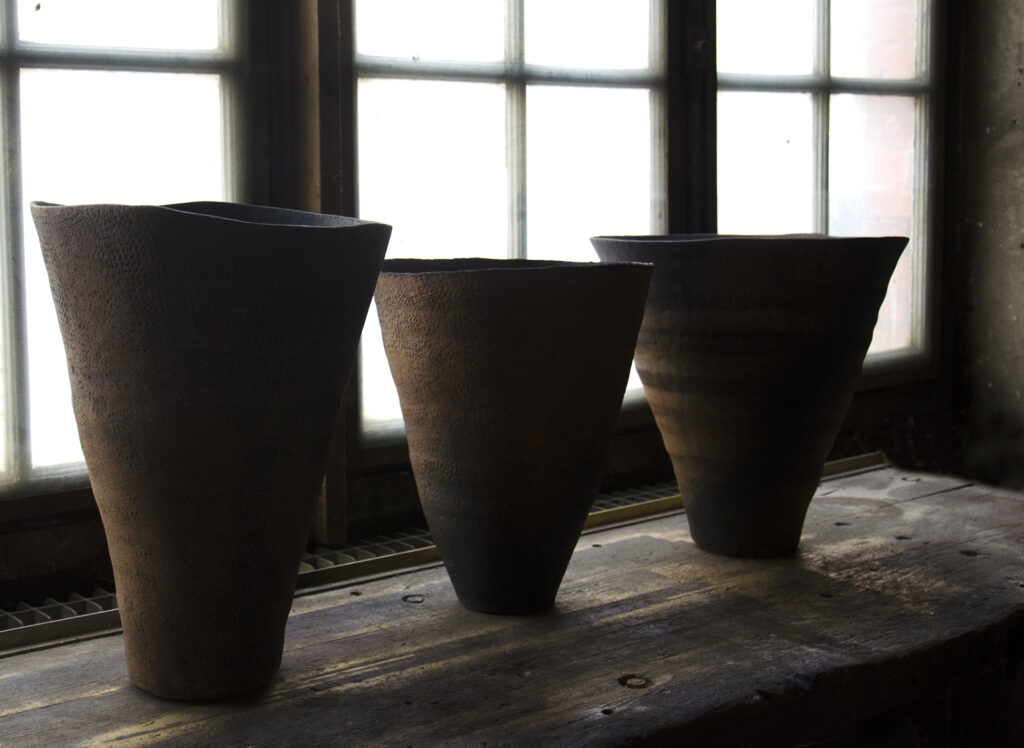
(822,84)
(502,72)
(66,57)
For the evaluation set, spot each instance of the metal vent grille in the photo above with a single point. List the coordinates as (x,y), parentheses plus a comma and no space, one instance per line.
(413,547)
(377,555)
(620,506)
(79,615)
(364,550)
(28,626)
(57,620)
(56,610)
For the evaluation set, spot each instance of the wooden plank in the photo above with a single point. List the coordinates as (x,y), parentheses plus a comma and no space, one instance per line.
(899,586)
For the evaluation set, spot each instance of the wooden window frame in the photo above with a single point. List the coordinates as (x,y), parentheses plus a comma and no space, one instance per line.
(301,146)
(377,478)
(370,476)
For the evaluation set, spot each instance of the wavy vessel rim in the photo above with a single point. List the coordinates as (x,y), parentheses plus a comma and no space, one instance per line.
(221,211)
(462,265)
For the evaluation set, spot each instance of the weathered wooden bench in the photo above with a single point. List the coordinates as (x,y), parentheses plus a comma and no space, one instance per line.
(901,618)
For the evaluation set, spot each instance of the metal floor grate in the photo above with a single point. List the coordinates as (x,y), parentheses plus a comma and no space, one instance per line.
(30,626)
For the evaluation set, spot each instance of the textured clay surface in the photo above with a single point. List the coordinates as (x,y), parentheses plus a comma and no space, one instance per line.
(510,375)
(749,353)
(207,346)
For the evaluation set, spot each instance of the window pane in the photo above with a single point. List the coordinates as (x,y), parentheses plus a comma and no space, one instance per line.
(871,191)
(874,38)
(588,168)
(587,33)
(136,138)
(431,164)
(588,171)
(431,29)
(768,38)
(154,24)
(765,163)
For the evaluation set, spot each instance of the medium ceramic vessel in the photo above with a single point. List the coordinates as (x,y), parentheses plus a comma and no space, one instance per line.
(749,354)
(207,346)
(510,375)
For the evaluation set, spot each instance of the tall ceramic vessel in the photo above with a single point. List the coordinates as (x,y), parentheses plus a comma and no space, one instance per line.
(749,354)
(510,376)
(207,346)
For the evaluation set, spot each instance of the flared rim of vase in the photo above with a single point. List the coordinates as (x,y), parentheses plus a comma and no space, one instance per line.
(215,210)
(402,266)
(670,239)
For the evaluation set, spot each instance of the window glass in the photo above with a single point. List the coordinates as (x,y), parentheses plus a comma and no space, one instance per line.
(874,38)
(588,168)
(587,33)
(871,192)
(431,29)
(144,138)
(589,172)
(98,108)
(871,165)
(532,164)
(767,38)
(765,163)
(431,164)
(153,24)
(802,152)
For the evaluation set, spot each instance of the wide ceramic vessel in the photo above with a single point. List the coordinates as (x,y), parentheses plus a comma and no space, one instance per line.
(749,353)
(207,346)
(510,375)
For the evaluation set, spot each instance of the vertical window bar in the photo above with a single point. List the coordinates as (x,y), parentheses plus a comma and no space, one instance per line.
(659,164)
(821,100)
(17,457)
(924,158)
(925,44)
(231,102)
(515,126)
(920,228)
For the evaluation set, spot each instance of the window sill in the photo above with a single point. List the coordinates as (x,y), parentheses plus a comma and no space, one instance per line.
(906,599)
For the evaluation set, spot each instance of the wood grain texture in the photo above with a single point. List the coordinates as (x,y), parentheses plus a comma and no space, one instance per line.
(906,589)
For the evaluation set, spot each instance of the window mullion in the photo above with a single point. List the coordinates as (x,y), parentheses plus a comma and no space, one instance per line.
(924,177)
(920,230)
(659,117)
(821,101)
(925,156)
(235,130)
(821,117)
(515,126)
(17,458)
